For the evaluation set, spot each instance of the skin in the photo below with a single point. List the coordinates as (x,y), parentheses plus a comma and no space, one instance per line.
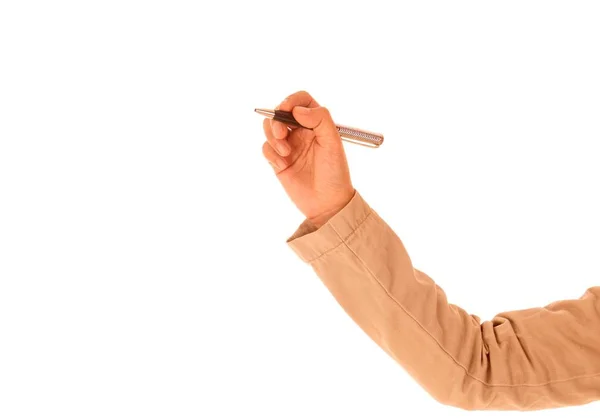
(311,165)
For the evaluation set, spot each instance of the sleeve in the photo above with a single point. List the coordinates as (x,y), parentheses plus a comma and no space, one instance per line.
(529,359)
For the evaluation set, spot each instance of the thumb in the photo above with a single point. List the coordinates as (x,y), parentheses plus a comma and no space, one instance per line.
(320,121)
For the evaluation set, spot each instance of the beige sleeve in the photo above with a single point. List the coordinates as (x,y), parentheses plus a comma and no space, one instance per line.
(529,359)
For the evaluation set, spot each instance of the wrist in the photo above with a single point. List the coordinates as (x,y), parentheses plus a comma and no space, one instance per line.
(322,219)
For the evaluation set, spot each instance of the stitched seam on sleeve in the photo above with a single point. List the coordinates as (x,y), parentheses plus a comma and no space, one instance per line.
(466,371)
(342,242)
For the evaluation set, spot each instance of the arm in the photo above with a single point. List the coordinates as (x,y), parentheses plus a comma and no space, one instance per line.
(521,360)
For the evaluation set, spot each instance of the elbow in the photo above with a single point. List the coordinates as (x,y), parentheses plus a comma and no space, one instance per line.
(470,394)
(452,398)
(466,393)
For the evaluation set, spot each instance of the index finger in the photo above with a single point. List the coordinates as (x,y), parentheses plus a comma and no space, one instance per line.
(300,98)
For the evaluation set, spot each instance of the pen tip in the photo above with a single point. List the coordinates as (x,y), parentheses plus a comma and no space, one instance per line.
(265,112)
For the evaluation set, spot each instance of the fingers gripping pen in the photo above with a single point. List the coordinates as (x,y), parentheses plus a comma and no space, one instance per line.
(349,134)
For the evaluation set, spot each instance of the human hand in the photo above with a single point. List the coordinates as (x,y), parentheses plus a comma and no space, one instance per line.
(311,165)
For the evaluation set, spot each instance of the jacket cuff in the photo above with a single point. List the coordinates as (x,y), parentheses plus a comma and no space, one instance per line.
(310,242)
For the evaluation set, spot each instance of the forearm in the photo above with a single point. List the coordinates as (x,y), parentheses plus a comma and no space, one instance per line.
(522,360)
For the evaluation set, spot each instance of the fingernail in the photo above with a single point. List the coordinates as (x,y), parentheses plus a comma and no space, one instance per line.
(275,128)
(302,109)
(281,164)
(280,130)
(283,148)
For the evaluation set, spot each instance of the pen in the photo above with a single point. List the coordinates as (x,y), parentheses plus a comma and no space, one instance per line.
(349,134)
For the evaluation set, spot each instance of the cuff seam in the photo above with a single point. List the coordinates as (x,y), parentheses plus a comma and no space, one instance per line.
(343,239)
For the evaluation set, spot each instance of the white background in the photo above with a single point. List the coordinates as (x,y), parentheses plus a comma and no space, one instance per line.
(143,265)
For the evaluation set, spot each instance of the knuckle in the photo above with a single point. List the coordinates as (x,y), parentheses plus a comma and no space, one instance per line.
(298,94)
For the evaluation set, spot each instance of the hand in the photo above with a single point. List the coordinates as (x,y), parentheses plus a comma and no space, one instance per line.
(311,165)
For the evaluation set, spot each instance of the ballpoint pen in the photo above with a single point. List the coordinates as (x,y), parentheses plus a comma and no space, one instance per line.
(349,134)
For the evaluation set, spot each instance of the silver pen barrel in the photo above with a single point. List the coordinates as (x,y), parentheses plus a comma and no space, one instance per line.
(359,136)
